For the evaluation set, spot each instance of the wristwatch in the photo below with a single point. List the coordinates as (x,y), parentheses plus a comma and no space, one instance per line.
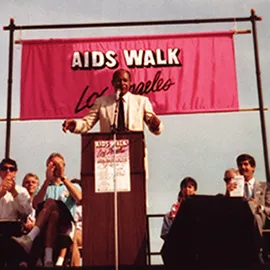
(63,178)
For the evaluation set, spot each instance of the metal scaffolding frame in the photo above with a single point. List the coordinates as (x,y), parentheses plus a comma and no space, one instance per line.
(253,18)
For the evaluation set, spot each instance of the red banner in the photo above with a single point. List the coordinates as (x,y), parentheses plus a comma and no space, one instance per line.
(187,73)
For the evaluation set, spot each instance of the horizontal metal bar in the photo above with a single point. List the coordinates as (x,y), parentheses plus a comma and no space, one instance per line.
(235,32)
(239,32)
(240,110)
(155,215)
(156,253)
(126,24)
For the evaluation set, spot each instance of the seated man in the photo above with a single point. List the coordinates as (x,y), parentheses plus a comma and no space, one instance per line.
(188,187)
(75,255)
(14,203)
(256,193)
(229,174)
(55,204)
(77,241)
(31,183)
(75,259)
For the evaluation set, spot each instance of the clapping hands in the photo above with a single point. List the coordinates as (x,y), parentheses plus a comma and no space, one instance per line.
(55,169)
(8,184)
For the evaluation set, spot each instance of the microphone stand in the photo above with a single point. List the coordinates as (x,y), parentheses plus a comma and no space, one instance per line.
(114,132)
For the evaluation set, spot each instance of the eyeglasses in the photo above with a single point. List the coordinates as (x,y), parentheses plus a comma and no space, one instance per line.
(5,168)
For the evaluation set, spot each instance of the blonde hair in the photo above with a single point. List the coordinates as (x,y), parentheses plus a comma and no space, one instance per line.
(55,154)
(231,170)
(234,170)
(29,175)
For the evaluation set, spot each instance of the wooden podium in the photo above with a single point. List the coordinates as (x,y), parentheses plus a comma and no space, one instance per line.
(98,208)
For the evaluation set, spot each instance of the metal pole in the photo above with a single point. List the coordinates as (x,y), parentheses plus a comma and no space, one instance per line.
(254,18)
(225,111)
(148,248)
(128,24)
(11,28)
(116,256)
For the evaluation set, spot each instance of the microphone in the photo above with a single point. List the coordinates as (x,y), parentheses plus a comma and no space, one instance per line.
(117,98)
(118,93)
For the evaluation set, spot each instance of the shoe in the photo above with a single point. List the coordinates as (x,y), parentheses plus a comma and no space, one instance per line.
(25,242)
(39,263)
(260,258)
(23,265)
(48,264)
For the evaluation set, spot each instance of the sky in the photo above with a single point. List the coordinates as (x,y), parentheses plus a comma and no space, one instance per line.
(200,145)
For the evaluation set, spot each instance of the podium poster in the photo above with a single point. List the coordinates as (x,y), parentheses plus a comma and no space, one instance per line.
(110,162)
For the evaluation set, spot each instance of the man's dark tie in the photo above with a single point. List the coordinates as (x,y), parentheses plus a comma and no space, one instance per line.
(247,193)
(121,117)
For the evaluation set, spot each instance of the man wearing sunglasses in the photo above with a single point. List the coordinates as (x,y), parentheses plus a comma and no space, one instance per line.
(14,203)
(14,199)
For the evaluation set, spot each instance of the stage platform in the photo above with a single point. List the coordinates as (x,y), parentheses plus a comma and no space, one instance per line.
(152,267)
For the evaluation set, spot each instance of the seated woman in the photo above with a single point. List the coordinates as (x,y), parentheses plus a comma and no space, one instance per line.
(188,187)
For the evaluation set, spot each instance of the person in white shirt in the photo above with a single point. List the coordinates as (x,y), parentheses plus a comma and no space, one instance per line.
(14,199)
(137,110)
(14,203)
(230,174)
(31,183)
